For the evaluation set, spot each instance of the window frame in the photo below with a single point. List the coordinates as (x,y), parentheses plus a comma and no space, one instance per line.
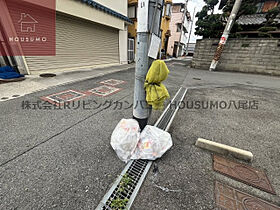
(168,8)
(135,11)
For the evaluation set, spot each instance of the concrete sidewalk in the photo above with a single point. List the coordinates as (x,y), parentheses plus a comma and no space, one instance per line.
(35,83)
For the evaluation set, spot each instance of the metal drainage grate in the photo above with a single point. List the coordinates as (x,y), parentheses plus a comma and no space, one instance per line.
(124,190)
(167,117)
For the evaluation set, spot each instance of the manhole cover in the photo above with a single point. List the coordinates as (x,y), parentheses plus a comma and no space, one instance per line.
(196,78)
(47,75)
(230,198)
(243,173)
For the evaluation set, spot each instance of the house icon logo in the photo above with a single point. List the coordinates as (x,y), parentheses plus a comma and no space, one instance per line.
(27,23)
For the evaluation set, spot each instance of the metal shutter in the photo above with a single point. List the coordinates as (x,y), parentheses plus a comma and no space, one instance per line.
(79,44)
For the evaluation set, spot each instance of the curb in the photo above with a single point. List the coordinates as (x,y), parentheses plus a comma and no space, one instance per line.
(224,149)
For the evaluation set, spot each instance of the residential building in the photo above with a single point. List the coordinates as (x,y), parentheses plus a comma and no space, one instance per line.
(165,27)
(252,23)
(165,21)
(89,34)
(179,26)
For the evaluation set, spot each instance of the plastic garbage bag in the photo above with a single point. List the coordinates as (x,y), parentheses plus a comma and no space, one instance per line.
(153,143)
(125,137)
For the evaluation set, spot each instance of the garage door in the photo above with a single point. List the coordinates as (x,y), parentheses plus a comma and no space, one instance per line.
(79,44)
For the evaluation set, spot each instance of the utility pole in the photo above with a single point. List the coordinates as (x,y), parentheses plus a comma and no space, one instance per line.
(225,35)
(149,21)
(182,27)
(191,30)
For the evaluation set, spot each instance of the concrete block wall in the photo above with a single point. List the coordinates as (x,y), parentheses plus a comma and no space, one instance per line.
(243,55)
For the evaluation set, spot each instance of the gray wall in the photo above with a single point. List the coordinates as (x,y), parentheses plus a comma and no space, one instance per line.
(244,55)
(2,62)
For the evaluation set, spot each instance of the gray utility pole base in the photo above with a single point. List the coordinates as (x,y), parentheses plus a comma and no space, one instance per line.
(213,65)
(142,122)
(141,109)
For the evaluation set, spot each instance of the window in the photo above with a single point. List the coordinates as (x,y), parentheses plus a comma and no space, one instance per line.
(163,11)
(259,7)
(132,12)
(179,26)
(168,10)
(176,9)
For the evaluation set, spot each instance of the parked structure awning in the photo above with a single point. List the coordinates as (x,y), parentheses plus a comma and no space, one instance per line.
(106,10)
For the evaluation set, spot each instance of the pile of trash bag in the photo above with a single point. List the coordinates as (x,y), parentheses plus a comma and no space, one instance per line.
(125,138)
(129,143)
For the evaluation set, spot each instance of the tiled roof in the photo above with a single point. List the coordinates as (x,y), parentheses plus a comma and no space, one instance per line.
(262,6)
(106,10)
(256,19)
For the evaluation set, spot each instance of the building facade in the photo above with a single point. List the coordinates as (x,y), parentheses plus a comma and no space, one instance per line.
(88,34)
(165,27)
(179,25)
(165,21)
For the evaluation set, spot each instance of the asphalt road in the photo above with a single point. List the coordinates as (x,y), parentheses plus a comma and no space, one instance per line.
(62,159)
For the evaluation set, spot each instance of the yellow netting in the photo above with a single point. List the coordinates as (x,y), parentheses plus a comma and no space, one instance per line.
(156,92)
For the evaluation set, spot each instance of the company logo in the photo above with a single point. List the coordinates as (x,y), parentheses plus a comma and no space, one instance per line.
(28,28)
(27,23)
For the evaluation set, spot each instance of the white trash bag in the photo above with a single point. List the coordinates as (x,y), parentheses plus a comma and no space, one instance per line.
(125,137)
(153,143)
